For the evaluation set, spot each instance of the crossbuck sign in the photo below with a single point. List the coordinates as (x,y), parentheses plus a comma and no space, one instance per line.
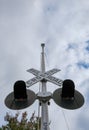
(46,76)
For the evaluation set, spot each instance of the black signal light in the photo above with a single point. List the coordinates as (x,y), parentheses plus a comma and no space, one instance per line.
(68,89)
(20,91)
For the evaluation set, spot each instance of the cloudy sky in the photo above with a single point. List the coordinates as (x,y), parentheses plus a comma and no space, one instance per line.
(63,25)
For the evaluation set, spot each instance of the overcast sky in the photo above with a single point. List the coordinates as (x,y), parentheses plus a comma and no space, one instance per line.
(63,25)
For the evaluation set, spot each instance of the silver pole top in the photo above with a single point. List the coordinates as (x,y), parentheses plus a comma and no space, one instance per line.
(43,45)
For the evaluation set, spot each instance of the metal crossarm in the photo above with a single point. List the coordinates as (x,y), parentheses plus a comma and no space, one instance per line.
(33,81)
(54,80)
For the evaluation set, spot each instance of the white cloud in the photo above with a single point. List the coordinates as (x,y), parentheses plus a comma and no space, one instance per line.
(64,27)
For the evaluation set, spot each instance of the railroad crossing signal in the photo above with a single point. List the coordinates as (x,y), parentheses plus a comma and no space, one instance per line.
(68,101)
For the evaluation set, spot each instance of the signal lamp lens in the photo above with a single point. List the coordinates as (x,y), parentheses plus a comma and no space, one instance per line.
(68,89)
(20,93)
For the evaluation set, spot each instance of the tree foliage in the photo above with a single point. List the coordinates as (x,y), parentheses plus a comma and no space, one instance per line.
(14,123)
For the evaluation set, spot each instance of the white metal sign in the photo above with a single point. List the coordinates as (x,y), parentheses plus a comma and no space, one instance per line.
(33,81)
(54,80)
(47,76)
(34,71)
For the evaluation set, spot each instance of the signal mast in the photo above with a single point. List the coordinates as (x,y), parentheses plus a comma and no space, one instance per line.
(66,96)
(44,103)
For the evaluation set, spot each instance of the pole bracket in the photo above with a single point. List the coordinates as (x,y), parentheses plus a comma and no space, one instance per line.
(44,96)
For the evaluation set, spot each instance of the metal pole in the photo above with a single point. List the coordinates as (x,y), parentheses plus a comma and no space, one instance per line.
(44,105)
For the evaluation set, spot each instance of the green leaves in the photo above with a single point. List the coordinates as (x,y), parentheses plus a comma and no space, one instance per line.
(14,123)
